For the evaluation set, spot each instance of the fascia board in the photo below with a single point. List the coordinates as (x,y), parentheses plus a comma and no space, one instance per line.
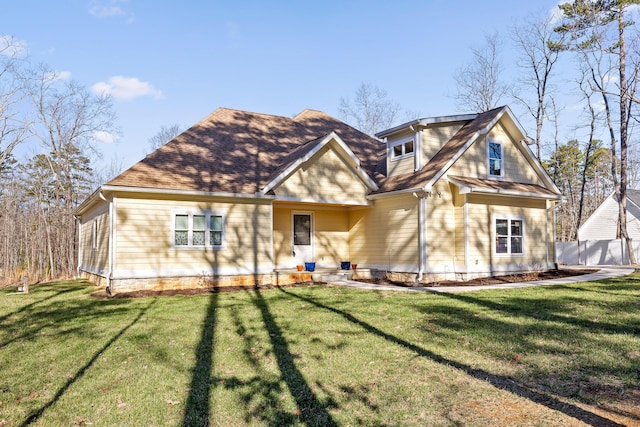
(87,202)
(533,161)
(464,148)
(167,191)
(426,122)
(468,189)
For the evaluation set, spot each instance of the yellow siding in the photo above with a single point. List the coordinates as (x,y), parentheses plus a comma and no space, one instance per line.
(441,228)
(482,211)
(474,163)
(144,238)
(435,136)
(459,201)
(402,166)
(95,261)
(282,237)
(330,235)
(326,177)
(386,235)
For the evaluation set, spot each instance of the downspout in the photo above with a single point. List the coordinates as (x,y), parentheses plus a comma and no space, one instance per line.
(110,253)
(422,205)
(78,218)
(422,233)
(553,220)
(417,140)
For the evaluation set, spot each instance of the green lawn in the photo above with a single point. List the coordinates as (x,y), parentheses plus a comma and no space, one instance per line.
(565,355)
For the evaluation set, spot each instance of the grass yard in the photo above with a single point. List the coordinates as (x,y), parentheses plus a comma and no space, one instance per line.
(564,355)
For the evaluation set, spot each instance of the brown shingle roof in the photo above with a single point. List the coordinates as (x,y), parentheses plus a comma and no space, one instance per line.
(505,187)
(238,151)
(443,157)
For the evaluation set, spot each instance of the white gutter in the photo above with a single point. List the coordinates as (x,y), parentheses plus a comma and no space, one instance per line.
(426,122)
(396,193)
(553,220)
(124,189)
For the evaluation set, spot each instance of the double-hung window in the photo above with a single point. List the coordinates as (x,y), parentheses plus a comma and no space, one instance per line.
(495,159)
(509,236)
(201,229)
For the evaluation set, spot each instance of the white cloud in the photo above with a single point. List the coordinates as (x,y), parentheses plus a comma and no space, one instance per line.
(109,9)
(104,137)
(9,46)
(556,14)
(58,75)
(126,88)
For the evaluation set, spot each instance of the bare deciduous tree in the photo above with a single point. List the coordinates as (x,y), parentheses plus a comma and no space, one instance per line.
(371,109)
(539,52)
(12,127)
(479,84)
(596,29)
(66,119)
(164,135)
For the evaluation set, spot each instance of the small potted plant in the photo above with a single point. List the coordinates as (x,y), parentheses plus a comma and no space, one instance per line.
(310,266)
(300,267)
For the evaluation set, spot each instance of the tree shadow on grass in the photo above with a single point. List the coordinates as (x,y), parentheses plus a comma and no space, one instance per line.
(261,393)
(312,410)
(53,318)
(197,408)
(60,290)
(497,381)
(38,413)
(553,311)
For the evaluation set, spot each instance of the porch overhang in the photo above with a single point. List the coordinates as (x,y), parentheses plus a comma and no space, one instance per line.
(504,188)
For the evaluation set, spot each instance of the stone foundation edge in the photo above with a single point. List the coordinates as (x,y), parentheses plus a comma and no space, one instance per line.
(118,286)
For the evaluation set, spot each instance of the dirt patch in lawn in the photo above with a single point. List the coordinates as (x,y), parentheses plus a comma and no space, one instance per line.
(493,280)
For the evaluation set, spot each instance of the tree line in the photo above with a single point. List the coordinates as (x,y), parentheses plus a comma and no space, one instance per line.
(61,120)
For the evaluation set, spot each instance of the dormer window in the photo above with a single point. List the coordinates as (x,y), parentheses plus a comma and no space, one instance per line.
(495,159)
(402,149)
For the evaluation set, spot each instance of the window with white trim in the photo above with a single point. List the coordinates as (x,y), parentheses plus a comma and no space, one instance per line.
(495,159)
(201,229)
(402,149)
(509,236)
(94,235)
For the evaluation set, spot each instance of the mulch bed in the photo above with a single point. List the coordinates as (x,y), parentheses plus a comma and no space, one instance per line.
(493,280)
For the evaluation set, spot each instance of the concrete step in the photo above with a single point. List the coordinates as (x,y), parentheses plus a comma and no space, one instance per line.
(346,275)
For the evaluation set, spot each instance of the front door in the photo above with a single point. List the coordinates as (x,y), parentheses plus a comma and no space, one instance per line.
(302,238)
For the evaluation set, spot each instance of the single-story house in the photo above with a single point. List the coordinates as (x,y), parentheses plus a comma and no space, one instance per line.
(603,222)
(244,198)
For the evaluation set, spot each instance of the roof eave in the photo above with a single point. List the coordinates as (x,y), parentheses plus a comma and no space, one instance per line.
(426,121)
(170,191)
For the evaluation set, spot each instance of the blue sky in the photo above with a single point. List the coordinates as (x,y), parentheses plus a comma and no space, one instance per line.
(175,62)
